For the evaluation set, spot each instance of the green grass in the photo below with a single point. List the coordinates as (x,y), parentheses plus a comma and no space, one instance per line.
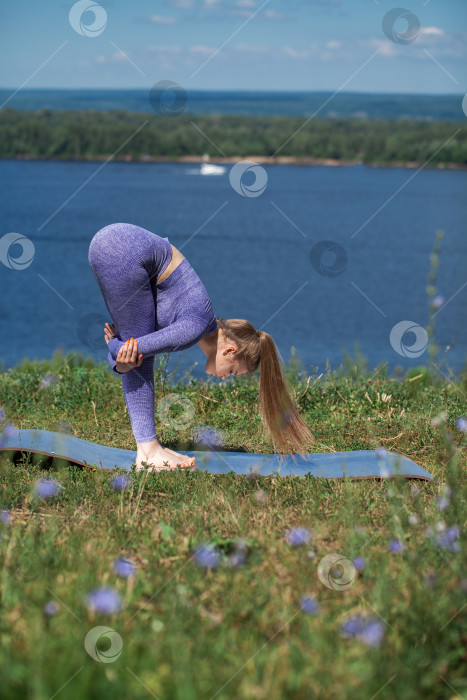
(234,632)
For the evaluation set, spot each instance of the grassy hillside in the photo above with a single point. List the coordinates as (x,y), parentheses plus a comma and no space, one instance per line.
(248,616)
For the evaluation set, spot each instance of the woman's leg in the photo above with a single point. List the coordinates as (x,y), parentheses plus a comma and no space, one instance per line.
(117,255)
(127,293)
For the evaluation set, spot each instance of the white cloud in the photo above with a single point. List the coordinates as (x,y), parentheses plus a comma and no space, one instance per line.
(431,30)
(291,52)
(118,56)
(203,50)
(250,48)
(182,4)
(333,44)
(160,19)
(270,14)
(386,47)
(154,48)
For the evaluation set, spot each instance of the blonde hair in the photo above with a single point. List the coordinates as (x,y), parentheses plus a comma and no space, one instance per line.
(281,419)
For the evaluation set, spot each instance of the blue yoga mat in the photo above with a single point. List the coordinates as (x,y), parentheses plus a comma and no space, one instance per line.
(360,464)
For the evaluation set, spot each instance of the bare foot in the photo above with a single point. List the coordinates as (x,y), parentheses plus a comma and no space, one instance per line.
(162,459)
(187,460)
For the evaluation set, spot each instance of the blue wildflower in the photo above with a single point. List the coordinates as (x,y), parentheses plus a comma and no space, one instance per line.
(236,558)
(462,424)
(297,536)
(369,630)
(353,625)
(208,556)
(124,568)
(373,632)
(9,431)
(47,488)
(396,546)
(120,482)
(210,437)
(48,380)
(447,539)
(442,502)
(239,554)
(359,563)
(5,517)
(310,605)
(50,608)
(104,600)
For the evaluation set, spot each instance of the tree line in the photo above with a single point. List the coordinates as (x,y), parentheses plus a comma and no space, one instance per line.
(95,134)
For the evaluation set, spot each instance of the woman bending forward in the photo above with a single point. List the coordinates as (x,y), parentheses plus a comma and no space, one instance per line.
(158,304)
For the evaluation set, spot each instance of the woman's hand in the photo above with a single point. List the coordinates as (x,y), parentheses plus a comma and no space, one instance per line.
(127,357)
(109,332)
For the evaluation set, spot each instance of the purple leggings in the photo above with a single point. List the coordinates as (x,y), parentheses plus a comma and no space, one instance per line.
(173,315)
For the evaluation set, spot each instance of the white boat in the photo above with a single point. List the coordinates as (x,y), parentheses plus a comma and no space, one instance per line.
(212,169)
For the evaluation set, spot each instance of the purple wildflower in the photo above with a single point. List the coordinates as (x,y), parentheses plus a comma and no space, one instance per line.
(442,502)
(447,539)
(120,482)
(5,517)
(359,563)
(353,626)
(236,558)
(209,437)
(124,568)
(208,556)
(48,380)
(50,608)
(297,536)
(438,301)
(47,488)
(396,546)
(9,431)
(104,600)
(369,630)
(310,605)
(373,632)
(239,554)
(462,424)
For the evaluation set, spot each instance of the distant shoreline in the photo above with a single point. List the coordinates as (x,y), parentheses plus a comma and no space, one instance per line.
(264,160)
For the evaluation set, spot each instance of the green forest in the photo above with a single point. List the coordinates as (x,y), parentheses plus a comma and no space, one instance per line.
(95,134)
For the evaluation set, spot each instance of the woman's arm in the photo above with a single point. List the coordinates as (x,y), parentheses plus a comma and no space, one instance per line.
(182,334)
(112,363)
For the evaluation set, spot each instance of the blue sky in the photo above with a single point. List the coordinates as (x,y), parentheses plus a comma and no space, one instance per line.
(234,44)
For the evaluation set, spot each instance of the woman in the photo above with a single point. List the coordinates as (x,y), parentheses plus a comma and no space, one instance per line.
(158,304)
